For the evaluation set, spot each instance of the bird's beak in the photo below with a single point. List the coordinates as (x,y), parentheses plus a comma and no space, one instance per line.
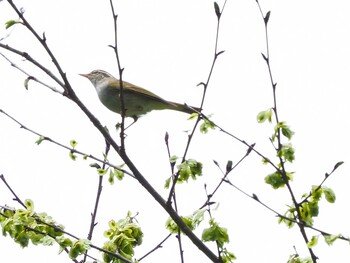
(84,75)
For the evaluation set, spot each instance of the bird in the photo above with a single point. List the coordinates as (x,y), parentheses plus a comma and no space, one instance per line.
(137,101)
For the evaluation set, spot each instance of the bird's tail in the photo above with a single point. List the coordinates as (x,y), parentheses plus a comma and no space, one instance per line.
(184,108)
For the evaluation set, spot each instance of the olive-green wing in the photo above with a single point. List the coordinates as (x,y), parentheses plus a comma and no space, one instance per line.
(128,87)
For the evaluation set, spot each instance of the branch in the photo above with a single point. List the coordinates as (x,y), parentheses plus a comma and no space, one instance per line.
(282,170)
(205,85)
(71,150)
(138,175)
(55,227)
(97,201)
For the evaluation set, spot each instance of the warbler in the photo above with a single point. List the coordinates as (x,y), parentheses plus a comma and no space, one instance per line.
(137,101)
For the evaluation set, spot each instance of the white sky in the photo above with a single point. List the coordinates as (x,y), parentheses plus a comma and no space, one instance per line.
(167,46)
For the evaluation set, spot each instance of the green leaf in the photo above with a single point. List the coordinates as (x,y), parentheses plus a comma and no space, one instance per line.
(73,143)
(276,180)
(72,155)
(64,242)
(173,159)
(41,139)
(306,214)
(167,183)
(193,116)
(288,214)
(286,131)
(118,173)
(312,242)
(329,194)
(101,171)
(287,153)
(29,205)
(115,173)
(215,233)
(123,236)
(47,241)
(189,168)
(296,259)
(111,177)
(198,216)
(206,125)
(314,209)
(227,256)
(22,239)
(95,165)
(330,238)
(316,193)
(264,115)
(10,23)
(265,161)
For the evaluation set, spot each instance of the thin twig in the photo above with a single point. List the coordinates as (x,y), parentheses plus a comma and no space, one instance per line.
(138,175)
(55,227)
(72,150)
(155,248)
(206,84)
(226,173)
(278,135)
(97,201)
(120,71)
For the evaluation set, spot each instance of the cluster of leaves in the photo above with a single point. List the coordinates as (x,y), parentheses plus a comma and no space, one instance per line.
(309,208)
(214,233)
(113,172)
(296,259)
(24,225)
(123,236)
(219,235)
(285,152)
(191,221)
(186,170)
(39,228)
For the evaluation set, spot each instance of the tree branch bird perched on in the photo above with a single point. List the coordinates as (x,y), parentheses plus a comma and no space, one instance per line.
(137,101)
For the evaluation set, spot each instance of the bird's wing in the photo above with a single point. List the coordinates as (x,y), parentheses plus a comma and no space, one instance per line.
(128,87)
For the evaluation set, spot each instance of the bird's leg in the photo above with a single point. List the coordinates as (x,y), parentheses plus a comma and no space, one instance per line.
(135,118)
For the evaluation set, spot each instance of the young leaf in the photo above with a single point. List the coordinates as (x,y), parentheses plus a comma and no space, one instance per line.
(10,23)
(312,242)
(101,171)
(73,143)
(330,238)
(264,115)
(173,159)
(329,194)
(215,233)
(72,155)
(95,165)
(29,205)
(41,138)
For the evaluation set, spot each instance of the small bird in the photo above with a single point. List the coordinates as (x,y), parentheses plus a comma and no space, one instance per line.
(137,101)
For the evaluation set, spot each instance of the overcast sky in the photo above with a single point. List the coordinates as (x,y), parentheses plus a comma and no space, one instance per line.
(167,47)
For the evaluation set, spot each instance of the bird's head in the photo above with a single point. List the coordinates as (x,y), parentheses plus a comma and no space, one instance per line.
(97,76)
